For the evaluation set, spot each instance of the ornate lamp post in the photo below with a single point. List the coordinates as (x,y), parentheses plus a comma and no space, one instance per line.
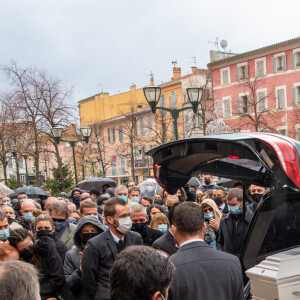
(86,133)
(152,95)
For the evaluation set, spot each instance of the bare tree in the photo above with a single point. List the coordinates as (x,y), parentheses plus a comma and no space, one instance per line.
(198,122)
(253,100)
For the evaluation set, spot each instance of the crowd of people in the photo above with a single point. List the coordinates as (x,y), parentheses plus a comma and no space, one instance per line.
(122,244)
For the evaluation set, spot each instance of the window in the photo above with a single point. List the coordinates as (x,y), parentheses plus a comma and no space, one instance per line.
(142,126)
(108,135)
(297,132)
(111,135)
(296,94)
(21,164)
(162,104)
(99,146)
(174,129)
(261,104)
(99,130)
(226,107)
(279,62)
(123,165)
(241,72)
(134,125)
(225,76)
(244,104)
(173,100)
(260,67)
(164,133)
(295,59)
(280,92)
(149,124)
(120,133)
(114,165)
(185,98)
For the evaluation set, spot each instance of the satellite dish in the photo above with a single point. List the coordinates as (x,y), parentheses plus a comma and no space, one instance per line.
(223,44)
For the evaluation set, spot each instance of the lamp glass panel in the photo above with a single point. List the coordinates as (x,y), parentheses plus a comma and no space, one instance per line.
(86,131)
(57,132)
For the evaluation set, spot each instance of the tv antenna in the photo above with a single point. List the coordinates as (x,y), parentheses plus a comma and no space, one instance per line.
(216,43)
(194,60)
(174,62)
(101,87)
(150,75)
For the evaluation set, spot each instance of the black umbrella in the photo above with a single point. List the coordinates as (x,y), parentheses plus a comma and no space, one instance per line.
(97,182)
(194,181)
(226,182)
(31,192)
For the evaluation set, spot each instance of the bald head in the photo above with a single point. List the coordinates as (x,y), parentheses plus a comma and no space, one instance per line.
(27,207)
(49,202)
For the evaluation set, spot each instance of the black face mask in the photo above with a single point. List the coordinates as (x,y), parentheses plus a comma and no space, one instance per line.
(27,254)
(76,199)
(218,200)
(88,236)
(139,227)
(43,233)
(256,197)
(157,201)
(169,207)
(207,181)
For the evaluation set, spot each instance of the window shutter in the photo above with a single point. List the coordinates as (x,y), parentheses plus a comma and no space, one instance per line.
(248,104)
(113,135)
(237,74)
(274,65)
(108,134)
(246,72)
(239,106)
(294,99)
(284,62)
(293,63)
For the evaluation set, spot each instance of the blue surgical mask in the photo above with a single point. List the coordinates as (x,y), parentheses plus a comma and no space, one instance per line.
(162,227)
(235,210)
(123,197)
(6,203)
(28,217)
(4,234)
(209,216)
(135,199)
(102,206)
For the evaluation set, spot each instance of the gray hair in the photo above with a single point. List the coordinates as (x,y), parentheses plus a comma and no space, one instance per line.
(24,274)
(137,208)
(60,207)
(120,187)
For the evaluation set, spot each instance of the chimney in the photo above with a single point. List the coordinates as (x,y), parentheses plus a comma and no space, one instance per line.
(151,80)
(194,70)
(132,87)
(176,73)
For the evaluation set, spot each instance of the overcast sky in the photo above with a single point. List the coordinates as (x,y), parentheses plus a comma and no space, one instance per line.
(115,43)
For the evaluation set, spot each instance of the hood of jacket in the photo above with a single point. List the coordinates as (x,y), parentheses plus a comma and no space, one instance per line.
(86,220)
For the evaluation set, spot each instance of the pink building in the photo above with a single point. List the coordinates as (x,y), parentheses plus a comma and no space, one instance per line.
(260,89)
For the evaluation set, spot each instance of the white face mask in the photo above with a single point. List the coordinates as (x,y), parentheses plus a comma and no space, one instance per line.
(125,225)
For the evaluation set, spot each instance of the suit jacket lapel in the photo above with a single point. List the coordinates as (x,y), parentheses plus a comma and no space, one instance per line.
(111,243)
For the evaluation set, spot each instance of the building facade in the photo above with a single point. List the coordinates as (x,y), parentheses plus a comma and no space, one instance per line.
(260,89)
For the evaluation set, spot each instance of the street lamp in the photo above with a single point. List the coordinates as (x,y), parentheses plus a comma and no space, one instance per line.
(86,133)
(26,172)
(152,95)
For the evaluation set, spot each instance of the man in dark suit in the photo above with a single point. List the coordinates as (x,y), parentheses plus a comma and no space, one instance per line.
(167,242)
(201,272)
(101,251)
(219,196)
(139,219)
